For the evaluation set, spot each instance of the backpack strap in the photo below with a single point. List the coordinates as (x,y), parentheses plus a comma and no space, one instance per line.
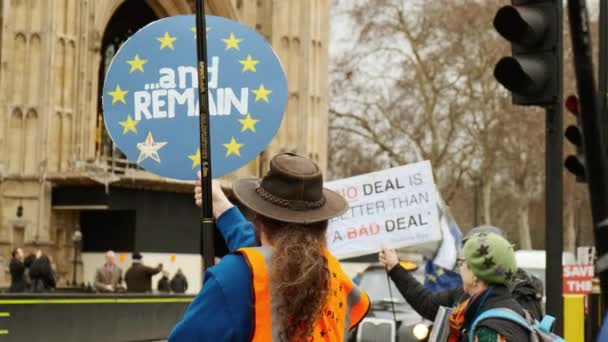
(546,324)
(505,314)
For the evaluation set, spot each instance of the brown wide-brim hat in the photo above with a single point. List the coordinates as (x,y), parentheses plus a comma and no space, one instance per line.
(292,191)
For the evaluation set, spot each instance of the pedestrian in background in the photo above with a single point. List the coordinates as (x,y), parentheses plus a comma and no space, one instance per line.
(138,276)
(163,283)
(17,270)
(108,277)
(41,273)
(179,283)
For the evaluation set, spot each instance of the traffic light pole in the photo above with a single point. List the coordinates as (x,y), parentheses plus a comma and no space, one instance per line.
(554,153)
(554,238)
(603,64)
(534,75)
(593,138)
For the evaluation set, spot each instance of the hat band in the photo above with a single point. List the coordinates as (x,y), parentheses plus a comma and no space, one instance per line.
(297,205)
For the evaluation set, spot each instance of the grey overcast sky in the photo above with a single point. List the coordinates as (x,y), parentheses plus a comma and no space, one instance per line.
(343,33)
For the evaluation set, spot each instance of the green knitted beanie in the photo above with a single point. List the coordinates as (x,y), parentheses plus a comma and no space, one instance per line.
(491,258)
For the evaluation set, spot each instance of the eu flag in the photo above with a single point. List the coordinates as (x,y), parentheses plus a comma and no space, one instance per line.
(439,279)
(438,272)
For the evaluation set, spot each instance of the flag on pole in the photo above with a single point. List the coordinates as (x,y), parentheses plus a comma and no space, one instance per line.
(439,274)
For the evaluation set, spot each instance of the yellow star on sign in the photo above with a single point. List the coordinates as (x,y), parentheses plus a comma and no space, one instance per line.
(137,64)
(118,95)
(166,41)
(431,277)
(129,125)
(249,63)
(232,42)
(207,29)
(233,148)
(261,93)
(248,123)
(440,271)
(196,158)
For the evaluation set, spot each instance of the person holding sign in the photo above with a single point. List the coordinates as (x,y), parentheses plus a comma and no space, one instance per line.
(289,289)
(487,269)
(525,288)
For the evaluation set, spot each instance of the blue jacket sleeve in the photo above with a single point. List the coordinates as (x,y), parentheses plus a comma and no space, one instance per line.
(236,230)
(223,310)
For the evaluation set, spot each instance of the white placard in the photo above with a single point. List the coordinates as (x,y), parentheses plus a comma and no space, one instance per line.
(392,208)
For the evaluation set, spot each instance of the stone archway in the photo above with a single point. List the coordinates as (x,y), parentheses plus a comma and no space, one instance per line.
(163,8)
(126,19)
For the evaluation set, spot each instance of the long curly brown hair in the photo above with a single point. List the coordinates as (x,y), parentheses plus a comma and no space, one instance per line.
(299,274)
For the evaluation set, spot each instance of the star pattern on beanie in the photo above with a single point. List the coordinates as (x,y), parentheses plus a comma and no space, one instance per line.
(499,270)
(483,249)
(488,262)
(490,258)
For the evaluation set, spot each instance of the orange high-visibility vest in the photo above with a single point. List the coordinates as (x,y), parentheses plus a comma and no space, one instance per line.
(345,307)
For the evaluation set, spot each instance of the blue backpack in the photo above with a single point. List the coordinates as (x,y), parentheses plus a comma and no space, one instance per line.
(539,331)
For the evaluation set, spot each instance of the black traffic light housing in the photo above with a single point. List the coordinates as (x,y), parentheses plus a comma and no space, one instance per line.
(575,164)
(533,72)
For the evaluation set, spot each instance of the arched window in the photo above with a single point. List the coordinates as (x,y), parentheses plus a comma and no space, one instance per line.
(128,19)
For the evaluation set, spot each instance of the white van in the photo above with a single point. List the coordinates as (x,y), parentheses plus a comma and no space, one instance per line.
(535,261)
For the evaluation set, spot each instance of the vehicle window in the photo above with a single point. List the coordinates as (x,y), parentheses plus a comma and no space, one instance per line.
(374,283)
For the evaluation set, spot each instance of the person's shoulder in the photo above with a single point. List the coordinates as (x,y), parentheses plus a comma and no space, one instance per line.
(229,261)
(232,267)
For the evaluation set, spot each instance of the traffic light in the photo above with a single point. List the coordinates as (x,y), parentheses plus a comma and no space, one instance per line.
(533,72)
(575,163)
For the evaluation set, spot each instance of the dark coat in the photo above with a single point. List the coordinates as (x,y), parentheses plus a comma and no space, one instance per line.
(499,298)
(427,303)
(524,290)
(179,283)
(18,282)
(424,301)
(163,285)
(29,260)
(41,275)
(139,277)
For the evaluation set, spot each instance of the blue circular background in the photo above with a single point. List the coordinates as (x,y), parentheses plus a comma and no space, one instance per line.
(181,133)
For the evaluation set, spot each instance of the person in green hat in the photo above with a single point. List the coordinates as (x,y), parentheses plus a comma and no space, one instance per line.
(525,288)
(487,269)
(487,266)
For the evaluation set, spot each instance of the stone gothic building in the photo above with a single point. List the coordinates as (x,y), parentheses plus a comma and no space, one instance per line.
(59,171)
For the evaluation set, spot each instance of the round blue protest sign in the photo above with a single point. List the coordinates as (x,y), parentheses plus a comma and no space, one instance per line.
(150,96)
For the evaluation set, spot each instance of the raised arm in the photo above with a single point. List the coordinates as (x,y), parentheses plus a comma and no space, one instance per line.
(424,301)
(236,230)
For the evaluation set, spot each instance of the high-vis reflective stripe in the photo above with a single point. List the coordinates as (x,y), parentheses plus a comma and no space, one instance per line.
(262,323)
(345,306)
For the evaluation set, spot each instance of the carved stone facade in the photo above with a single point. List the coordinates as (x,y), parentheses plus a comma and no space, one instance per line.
(50,57)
